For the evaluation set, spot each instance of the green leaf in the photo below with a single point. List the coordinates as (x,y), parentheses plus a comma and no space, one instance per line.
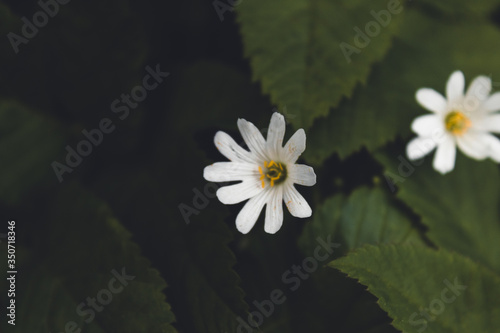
(204,288)
(460,215)
(368,216)
(324,222)
(93,248)
(329,299)
(413,283)
(43,303)
(29,143)
(296,49)
(385,107)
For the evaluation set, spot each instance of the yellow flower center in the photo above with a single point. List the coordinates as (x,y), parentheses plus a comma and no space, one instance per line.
(457,123)
(273,172)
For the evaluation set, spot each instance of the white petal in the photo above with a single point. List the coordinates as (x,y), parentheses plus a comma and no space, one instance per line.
(479,88)
(274,211)
(476,95)
(431,100)
(493,144)
(492,104)
(444,160)
(455,86)
(301,174)
(229,148)
(250,212)
(492,123)
(296,203)
(236,193)
(419,147)
(295,146)
(230,171)
(253,138)
(473,145)
(275,134)
(427,125)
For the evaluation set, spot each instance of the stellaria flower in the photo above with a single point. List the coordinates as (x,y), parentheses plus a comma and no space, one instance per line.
(267,173)
(466,121)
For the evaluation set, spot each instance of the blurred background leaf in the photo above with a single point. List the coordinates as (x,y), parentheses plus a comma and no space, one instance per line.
(44,303)
(194,257)
(92,248)
(89,234)
(38,141)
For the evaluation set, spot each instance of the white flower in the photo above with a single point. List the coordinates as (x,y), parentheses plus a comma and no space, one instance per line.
(267,173)
(466,121)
